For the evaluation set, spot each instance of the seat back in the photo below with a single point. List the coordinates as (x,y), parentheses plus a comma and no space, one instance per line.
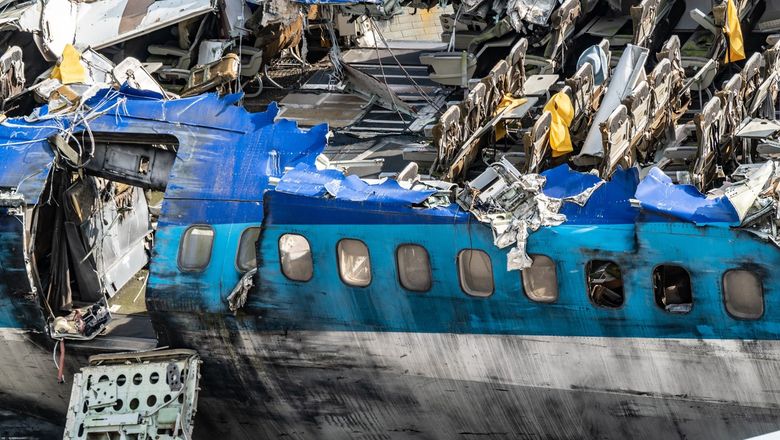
(643,20)
(616,138)
(582,89)
(638,104)
(516,61)
(731,104)
(660,83)
(448,135)
(501,78)
(751,75)
(707,138)
(537,143)
(473,110)
(563,21)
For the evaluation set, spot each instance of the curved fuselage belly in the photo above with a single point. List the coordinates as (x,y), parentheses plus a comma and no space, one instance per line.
(344,384)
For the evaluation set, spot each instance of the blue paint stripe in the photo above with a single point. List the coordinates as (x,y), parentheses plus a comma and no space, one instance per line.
(325,303)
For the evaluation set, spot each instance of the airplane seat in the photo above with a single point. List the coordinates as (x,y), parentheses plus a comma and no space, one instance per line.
(448,135)
(537,143)
(616,138)
(660,82)
(516,61)
(708,130)
(582,89)
(638,104)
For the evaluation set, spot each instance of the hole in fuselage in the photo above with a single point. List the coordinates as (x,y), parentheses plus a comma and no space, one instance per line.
(101,213)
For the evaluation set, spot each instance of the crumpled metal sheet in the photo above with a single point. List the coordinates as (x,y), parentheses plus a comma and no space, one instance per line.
(657,194)
(307,180)
(537,12)
(514,204)
(594,201)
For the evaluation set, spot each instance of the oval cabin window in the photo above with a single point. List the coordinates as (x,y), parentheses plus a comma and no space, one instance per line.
(476,272)
(354,263)
(295,257)
(195,248)
(246,259)
(605,283)
(672,288)
(414,267)
(743,294)
(540,281)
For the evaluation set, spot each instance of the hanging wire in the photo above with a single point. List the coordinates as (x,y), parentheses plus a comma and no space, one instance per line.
(335,52)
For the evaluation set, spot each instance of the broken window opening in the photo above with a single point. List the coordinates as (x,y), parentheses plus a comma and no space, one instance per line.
(295,257)
(605,283)
(132,158)
(540,281)
(672,288)
(246,257)
(475,271)
(195,248)
(414,267)
(743,294)
(354,263)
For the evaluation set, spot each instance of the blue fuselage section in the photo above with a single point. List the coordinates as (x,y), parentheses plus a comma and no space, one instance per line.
(326,303)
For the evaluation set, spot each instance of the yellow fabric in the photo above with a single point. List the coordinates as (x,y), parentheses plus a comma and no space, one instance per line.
(733,30)
(507,103)
(562,114)
(70,70)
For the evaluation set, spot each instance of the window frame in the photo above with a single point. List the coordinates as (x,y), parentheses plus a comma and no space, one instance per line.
(238,249)
(652,283)
(370,265)
(211,248)
(587,284)
(398,268)
(557,284)
(460,275)
(723,294)
(279,253)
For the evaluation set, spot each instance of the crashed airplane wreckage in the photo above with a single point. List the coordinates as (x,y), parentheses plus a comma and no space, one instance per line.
(585,248)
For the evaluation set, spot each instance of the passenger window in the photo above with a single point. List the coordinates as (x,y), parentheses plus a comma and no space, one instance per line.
(540,281)
(354,263)
(743,294)
(295,257)
(414,267)
(246,259)
(195,248)
(672,287)
(605,283)
(476,272)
